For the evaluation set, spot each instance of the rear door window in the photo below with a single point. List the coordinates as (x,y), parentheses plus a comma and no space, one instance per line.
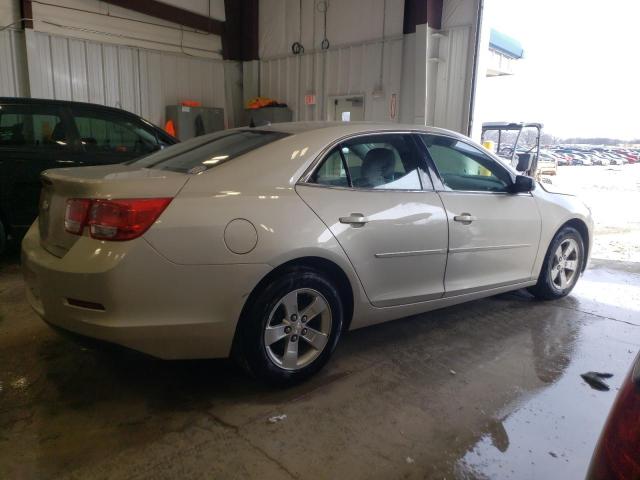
(332,172)
(109,133)
(387,161)
(33,127)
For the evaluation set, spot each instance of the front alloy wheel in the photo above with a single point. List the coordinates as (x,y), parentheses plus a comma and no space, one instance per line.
(565,264)
(562,265)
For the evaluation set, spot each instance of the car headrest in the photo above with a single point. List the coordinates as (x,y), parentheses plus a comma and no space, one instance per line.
(377,166)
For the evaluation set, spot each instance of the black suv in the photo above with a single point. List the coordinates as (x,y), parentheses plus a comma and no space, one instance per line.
(37,135)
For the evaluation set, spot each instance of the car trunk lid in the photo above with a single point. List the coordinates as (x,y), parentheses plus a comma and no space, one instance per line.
(100,182)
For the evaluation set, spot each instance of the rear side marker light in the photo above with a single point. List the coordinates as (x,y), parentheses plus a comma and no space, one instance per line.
(121,219)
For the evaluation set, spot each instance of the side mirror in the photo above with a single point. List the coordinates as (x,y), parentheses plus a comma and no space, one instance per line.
(524,162)
(523,184)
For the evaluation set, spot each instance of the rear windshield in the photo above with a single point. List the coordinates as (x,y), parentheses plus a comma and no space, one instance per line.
(201,153)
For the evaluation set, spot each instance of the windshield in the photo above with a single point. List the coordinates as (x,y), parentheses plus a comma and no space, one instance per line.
(201,153)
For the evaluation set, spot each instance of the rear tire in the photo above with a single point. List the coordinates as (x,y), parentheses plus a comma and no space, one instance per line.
(562,266)
(291,328)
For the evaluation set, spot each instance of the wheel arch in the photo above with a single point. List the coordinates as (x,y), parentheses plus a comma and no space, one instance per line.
(323,265)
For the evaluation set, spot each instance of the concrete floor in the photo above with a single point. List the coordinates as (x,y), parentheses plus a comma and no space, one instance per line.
(490,389)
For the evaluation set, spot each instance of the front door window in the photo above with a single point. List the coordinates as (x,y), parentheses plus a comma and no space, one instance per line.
(463,167)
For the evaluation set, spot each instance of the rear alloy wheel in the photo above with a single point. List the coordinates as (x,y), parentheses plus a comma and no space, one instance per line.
(298,329)
(562,266)
(291,328)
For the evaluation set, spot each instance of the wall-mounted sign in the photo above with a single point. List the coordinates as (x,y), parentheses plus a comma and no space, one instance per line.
(310,99)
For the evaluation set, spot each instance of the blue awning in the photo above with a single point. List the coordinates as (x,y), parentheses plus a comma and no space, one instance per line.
(505,44)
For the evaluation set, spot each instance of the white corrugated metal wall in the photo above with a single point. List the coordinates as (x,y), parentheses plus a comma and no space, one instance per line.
(87,50)
(135,79)
(344,70)
(441,86)
(144,79)
(353,65)
(455,74)
(13,59)
(105,23)
(452,98)
(13,73)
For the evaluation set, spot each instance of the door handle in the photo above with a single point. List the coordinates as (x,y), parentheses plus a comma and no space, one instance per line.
(464,218)
(355,220)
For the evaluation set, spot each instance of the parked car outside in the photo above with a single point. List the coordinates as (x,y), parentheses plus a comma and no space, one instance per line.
(266,243)
(36,135)
(547,163)
(616,455)
(562,158)
(628,156)
(580,159)
(613,159)
(600,159)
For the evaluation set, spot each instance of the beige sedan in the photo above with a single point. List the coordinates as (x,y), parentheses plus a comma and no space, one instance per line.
(267,243)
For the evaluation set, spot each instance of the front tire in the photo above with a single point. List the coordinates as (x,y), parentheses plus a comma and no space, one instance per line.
(291,328)
(562,265)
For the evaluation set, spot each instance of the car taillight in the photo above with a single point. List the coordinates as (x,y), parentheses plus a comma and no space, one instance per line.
(75,215)
(617,455)
(121,219)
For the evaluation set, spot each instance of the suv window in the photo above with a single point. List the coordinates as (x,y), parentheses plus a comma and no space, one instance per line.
(33,127)
(108,133)
(464,167)
(387,161)
(201,153)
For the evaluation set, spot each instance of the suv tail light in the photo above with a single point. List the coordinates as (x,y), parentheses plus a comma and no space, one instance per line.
(617,456)
(122,219)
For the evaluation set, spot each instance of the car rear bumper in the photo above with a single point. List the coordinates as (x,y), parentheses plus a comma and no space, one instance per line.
(128,294)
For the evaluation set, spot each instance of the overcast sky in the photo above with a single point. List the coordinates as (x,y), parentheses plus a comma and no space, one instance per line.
(581,71)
